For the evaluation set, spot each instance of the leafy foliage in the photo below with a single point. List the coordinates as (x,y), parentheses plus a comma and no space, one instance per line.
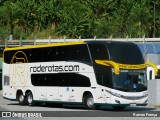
(74,18)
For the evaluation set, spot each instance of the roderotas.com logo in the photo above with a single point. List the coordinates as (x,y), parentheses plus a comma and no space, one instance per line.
(54,68)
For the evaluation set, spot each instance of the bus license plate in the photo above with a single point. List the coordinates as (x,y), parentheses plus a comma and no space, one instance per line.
(133,105)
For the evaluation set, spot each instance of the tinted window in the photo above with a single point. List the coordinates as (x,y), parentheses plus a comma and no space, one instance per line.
(62,53)
(125,53)
(98,52)
(77,80)
(34,55)
(66,53)
(73,80)
(14,56)
(84,81)
(80,53)
(103,75)
(51,79)
(6,80)
(38,79)
(61,79)
(49,54)
(57,53)
(7,56)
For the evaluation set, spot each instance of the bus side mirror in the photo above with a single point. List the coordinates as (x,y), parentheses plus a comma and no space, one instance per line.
(154,66)
(109,63)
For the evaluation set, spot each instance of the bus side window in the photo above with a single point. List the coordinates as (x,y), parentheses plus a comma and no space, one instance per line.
(98,52)
(80,53)
(51,79)
(73,80)
(62,53)
(84,81)
(6,80)
(7,57)
(38,79)
(49,54)
(63,79)
(77,80)
(150,75)
(34,55)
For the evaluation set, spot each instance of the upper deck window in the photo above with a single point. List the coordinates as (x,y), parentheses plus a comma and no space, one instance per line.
(78,53)
(125,53)
(98,52)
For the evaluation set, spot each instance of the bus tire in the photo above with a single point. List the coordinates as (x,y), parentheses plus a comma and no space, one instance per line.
(21,99)
(89,102)
(117,108)
(30,101)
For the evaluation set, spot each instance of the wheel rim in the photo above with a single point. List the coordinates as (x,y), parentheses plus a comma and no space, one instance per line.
(21,98)
(90,102)
(30,99)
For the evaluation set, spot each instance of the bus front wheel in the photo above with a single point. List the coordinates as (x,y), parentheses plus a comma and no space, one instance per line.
(89,102)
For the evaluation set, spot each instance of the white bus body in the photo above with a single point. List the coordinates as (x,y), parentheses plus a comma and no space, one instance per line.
(32,82)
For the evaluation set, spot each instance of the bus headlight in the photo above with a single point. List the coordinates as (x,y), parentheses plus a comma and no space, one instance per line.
(128,97)
(114,94)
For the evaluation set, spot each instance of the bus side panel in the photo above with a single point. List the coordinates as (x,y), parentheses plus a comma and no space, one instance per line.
(9,90)
(52,93)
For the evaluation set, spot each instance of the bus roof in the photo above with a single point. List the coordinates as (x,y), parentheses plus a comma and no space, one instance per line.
(65,44)
(45,45)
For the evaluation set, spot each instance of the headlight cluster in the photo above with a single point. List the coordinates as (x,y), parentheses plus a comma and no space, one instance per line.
(127,97)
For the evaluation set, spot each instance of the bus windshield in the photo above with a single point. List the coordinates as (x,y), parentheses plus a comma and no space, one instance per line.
(126,53)
(130,80)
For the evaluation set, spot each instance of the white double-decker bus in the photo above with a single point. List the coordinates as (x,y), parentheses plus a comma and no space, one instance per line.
(94,73)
